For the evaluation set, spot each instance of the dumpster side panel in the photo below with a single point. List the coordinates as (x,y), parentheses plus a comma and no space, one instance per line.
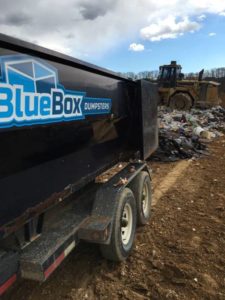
(39,158)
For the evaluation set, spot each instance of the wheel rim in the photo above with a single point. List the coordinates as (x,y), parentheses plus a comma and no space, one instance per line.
(126,224)
(145,199)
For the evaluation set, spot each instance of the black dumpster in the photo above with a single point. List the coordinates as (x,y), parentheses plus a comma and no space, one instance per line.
(63,122)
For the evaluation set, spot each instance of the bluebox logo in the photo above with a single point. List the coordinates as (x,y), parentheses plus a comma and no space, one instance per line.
(31,94)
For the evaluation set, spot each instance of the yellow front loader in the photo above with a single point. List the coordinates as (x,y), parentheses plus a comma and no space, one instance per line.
(179,93)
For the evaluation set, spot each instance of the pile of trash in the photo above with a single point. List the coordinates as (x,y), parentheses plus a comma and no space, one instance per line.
(184,135)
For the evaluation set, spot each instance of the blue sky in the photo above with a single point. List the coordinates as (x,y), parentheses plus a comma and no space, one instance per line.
(123,35)
(194,51)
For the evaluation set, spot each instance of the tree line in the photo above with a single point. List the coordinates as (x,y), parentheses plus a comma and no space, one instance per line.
(212,73)
(153,75)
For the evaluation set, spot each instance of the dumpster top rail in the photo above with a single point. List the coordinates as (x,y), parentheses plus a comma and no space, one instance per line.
(23,46)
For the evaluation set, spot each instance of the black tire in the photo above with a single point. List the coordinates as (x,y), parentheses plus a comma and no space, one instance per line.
(181,101)
(140,183)
(117,250)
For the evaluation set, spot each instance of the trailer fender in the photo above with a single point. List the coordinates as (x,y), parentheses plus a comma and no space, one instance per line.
(98,227)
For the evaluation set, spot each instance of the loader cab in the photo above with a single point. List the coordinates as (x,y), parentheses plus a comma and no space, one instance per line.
(169,74)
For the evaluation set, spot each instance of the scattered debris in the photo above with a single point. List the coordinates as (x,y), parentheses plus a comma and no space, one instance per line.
(132,169)
(107,175)
(184,135)
(122,181)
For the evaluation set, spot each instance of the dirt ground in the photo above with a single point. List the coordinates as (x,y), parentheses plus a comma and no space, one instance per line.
(180,254)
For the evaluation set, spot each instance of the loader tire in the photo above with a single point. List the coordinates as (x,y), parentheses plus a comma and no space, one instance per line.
(181,101)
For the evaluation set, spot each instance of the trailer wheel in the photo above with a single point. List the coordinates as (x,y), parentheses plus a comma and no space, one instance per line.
(124,227)
(141,187)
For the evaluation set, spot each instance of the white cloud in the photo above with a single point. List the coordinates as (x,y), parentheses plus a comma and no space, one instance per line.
(222,13)
(93,27)
(212,34)
(136,47)
(168,28)
(201,17)
(55,46)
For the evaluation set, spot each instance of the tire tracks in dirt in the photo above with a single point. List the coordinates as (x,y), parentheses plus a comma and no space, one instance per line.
(169,180)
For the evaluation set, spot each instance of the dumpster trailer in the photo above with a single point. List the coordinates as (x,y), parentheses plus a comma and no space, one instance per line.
(64,124)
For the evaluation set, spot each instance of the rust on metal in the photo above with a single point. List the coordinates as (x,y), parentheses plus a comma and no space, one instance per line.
(32,212)
(95,228)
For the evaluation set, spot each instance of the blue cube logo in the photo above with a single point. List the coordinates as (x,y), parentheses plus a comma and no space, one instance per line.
(31,74)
